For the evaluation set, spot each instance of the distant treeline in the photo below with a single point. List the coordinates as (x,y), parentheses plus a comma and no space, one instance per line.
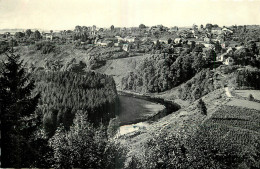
(63,94)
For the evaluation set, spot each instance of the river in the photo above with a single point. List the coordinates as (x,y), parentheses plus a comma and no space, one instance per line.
(137,111)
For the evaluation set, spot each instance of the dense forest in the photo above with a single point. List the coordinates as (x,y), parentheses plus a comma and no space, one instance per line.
(63,94)
(164,70)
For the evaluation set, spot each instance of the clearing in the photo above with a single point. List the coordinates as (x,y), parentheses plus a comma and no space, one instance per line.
(119,68)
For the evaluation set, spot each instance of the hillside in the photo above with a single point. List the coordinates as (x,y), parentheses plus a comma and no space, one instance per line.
(52,56)
(119,68)
(235,124)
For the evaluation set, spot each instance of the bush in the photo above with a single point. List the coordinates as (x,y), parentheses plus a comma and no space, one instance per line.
(202,107)
(45,47)
(251,98)
(113,127)
(165,151)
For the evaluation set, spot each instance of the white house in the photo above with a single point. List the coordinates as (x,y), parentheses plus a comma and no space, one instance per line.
(119,38)
(130,39)
(177,40)
(48,36)
(163,40)
(207,45)
(126,47)
(229,61)
(225,30)
(222,57)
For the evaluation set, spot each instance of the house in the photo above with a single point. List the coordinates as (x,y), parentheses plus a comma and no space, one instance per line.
(177,40)
(118,44)
(163,40)
(130,39)
(217,30)
(119,38)
(206,39)
(126,47)
(48,36)
(226,30)
(104,43)
(239,47)
(222,57)
(229,61)
(208,45)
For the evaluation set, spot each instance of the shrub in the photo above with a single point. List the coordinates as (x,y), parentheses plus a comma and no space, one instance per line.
(250,97)
(45,47)
(202,107)
(165,151)
(113,127)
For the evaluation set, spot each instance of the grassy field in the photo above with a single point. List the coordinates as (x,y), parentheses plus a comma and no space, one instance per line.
(119,68)
(244,103)
(246,93)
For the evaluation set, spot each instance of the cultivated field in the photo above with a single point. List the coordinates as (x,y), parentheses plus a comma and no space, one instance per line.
(244,103)
(246,93)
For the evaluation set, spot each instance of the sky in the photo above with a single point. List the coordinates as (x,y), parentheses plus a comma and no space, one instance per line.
(66,14)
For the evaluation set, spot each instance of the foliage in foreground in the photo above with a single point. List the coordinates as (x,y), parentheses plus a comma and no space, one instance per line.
(84,146)
(18,118)
(66,93)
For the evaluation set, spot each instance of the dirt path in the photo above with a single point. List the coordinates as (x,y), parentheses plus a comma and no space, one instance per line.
(228,93)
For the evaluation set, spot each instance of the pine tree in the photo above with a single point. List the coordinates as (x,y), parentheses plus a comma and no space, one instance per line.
(17,107)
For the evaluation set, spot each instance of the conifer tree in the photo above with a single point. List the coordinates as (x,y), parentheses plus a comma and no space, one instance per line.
(17,107)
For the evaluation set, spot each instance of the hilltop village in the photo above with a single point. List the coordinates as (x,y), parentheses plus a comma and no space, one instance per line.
(221,43)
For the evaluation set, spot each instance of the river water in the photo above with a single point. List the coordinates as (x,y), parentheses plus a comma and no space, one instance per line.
(137,111)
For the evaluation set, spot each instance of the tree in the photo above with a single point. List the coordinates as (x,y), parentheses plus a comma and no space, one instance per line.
(77,28)
(199,62)
(112,27)
(217,47)
(18,35)
(142,26)
(170,41)
(164,151)
(198,48)
(202,107)
(209,26)
(113,127)
(84,28)
(82,146)
(18,117)
(28,33)
(37,35)
(250,97)
(211,55)
(195,27)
